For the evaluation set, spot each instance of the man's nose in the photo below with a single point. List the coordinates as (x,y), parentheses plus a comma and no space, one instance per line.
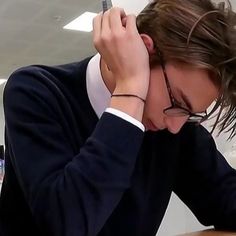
(174,124)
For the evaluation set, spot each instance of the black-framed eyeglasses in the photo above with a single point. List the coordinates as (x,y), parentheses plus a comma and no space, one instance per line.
(176,110)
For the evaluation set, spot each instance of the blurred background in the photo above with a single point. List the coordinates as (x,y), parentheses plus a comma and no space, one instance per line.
(31,32)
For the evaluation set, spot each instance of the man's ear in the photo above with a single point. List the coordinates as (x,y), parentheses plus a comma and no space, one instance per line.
(148,43)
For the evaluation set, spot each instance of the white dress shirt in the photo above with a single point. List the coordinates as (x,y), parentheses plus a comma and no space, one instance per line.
(99,95)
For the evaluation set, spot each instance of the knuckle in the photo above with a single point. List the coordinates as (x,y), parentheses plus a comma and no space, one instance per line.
(96,42)
(96,18)
(116,9)
(106,13)
(106,38)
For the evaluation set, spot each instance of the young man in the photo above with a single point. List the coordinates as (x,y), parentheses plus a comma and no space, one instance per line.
(73,169)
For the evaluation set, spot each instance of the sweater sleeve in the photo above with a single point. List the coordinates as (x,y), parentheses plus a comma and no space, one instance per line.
(68,194)
(205,181)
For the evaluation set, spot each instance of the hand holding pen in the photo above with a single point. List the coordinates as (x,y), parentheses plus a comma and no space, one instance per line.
(118,41)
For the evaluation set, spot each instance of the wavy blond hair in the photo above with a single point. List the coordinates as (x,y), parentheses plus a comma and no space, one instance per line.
(203,34)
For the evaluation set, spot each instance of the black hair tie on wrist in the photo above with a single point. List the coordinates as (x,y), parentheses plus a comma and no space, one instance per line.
(128,95)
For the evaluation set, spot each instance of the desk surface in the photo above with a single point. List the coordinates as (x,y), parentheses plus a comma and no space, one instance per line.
(210,233)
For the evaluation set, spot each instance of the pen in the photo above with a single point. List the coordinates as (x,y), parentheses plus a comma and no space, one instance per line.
(106,4)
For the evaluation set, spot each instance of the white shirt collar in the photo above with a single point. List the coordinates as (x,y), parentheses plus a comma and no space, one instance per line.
(99,95)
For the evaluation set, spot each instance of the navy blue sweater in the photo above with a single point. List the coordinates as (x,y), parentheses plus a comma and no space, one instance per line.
(70,174)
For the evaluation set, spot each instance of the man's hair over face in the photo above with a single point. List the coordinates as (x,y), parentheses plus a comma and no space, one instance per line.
(200,33)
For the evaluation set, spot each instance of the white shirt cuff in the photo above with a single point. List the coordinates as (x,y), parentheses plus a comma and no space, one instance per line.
(126,117)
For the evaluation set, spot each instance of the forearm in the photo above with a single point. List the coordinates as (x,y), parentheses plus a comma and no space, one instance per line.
(88,187)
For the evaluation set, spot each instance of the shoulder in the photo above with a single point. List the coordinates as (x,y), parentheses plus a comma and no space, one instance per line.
(33,76)
(24,81)
(36,72)
(196,137)
(193,131)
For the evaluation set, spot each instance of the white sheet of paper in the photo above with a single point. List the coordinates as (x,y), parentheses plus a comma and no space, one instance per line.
(131,6)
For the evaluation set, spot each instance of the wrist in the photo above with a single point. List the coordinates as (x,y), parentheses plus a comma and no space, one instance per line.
(135,88)
(131,105)
(128,95)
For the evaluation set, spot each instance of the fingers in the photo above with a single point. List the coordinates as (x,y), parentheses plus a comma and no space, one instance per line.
(108,24)
(97,26)
(131,23)
(113,30)
(106,27)
(115,17)
(117,40)
(111,19)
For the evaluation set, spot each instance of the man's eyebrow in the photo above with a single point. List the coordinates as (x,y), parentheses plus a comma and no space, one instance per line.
(187,102)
